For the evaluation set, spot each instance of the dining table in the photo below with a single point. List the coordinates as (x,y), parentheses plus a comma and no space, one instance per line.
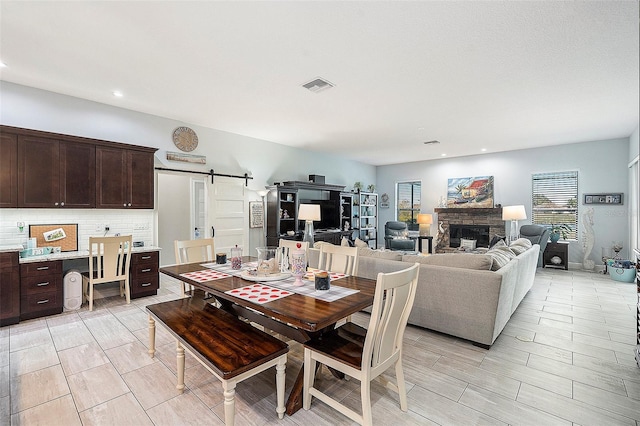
(299,316)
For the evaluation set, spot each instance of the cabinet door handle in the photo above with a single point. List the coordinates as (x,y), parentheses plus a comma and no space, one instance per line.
(62,204)
(40,302)
(146,257)
(146,270)
(43,268)
(129,205)
(42,284)
(145,285)
(55,204)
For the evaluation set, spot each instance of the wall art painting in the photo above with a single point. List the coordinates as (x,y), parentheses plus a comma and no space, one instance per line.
(470,192)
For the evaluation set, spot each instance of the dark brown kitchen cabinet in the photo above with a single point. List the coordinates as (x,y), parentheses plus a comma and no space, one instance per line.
(9,288)
(124,178)
(55,173)
(8,170)
(40,289)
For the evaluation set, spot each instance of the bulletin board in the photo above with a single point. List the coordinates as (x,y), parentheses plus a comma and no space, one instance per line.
(68,243)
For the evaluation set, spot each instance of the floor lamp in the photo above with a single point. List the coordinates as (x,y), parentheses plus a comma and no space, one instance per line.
(309,213)
(514,214)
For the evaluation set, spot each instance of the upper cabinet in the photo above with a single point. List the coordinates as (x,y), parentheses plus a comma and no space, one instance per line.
(124,178)
(48,170)
(8,170)
(55,173)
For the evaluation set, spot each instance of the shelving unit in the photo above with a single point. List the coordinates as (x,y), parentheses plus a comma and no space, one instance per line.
(282,214)
(637,351)
(346,211)
(366,206)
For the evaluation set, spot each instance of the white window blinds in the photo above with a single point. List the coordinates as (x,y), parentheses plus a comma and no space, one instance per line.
(555,200)
(408,202)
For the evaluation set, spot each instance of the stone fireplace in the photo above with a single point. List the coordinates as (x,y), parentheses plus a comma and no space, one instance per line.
(476,220)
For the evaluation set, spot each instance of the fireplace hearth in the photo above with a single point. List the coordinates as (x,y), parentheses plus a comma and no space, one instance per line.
(480,233)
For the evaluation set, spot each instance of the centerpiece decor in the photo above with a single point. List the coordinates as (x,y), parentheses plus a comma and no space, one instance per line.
(298,263)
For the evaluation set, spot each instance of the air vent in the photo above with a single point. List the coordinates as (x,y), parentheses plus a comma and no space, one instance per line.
(431,142)
(318,85)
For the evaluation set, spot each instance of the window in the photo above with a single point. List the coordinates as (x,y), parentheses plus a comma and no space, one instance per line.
(555,200)
(408,203)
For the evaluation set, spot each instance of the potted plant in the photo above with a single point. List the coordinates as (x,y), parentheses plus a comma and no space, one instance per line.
(556,231)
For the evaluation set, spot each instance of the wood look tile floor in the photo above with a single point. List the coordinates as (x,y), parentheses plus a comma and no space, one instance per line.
(565,357)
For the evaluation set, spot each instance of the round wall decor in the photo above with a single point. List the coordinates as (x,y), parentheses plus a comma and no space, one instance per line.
(185,139)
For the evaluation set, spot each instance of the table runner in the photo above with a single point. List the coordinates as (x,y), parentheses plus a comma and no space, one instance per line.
(308,289)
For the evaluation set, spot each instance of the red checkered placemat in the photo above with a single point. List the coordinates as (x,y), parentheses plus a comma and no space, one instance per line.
(205,275)
(310,275)
(259,293)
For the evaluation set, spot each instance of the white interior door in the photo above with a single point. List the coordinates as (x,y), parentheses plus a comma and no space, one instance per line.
(228,215)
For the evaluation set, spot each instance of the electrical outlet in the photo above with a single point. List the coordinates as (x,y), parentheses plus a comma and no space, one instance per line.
(106,228)
(138,227)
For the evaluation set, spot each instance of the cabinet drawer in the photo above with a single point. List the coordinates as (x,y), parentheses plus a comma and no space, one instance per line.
(40,284)
(145,286)
(34,303)
(142,270)
(145,257)
(41,268)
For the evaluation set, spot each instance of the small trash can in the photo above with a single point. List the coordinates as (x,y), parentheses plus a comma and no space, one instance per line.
(72,290)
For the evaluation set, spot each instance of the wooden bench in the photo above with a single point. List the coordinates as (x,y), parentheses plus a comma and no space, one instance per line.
(231,349)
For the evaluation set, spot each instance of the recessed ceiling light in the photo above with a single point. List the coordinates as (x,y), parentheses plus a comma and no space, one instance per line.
(117,94)
(2,64)
(484,150)
(443,155)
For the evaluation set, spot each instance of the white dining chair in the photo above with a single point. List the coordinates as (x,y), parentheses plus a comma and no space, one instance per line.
(338,259)
(365,354)
(109,261)
(189,251)
(292,245)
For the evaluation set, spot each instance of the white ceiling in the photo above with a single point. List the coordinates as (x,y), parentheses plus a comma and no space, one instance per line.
(497,75)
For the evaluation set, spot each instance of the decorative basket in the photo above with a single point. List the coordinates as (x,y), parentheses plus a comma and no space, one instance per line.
(622,275)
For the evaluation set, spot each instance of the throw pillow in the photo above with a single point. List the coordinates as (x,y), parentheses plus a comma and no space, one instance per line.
(454,260)
(380,254)
(520,245)
(345,242)
(319,244)
(495,239)
(468,244)
(360,243)
(501,255)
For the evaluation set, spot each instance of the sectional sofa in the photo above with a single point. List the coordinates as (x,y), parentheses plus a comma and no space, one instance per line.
(471,296)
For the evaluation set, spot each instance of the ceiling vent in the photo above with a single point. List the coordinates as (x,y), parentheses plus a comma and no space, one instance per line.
(318,85)
(431,142)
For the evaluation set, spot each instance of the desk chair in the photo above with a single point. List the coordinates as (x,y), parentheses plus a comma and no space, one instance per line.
(109,261)
(190,251)
(366,353)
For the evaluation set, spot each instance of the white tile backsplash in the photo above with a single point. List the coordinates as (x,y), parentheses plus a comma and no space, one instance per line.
(139,223)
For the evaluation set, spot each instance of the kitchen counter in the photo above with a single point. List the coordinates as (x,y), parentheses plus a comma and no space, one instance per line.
(10,248)
(80,254)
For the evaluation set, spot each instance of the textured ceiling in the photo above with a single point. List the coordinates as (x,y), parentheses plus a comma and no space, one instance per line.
(474,75)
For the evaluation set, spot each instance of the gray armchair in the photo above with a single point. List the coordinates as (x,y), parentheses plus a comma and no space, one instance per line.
(537,234)
(395,237)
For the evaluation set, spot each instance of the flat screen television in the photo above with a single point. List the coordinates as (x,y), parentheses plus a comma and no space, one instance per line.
(329,214)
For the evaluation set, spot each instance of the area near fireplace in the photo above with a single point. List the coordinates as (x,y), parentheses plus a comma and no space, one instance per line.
(476,221)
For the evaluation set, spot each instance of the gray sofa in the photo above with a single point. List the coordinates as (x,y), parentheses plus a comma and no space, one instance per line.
(453,298)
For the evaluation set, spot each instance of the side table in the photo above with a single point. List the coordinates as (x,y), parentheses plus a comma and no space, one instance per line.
(560,250)
(429,238)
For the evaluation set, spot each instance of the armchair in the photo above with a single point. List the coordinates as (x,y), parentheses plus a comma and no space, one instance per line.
(395,237)
(537,234)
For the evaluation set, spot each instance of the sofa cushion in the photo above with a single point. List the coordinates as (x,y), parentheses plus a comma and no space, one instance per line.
(520,245)
(386,254)
(501,255)
(455,260)
(360,243)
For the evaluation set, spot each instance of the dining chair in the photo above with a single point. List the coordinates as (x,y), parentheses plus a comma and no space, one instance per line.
(365,354)
(338,259)
(292,245)
(189,251)
(109,261)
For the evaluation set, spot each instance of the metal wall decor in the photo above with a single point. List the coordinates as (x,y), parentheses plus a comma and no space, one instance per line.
(613,198)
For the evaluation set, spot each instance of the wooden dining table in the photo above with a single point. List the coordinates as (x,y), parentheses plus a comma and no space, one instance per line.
(296,316)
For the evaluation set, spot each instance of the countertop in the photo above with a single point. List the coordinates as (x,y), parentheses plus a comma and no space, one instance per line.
(66,255)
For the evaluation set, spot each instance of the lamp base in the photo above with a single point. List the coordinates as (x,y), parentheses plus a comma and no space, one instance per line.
(513,234)
(425,230)
(308,233)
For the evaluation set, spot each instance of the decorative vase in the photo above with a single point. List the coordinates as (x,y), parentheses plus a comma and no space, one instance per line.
(298,263)
(554,237)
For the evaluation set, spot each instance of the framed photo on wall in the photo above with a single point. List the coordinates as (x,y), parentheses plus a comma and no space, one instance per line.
(256,214)
(610,198)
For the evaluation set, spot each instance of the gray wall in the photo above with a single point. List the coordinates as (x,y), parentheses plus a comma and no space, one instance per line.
(601,165)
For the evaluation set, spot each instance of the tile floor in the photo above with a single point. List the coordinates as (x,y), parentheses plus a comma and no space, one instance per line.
(564,358)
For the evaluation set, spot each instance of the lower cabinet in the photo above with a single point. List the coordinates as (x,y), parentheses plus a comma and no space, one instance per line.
(9,288)
(40,289)
(144,279)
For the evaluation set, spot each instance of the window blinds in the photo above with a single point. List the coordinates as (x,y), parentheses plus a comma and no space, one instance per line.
(555,200)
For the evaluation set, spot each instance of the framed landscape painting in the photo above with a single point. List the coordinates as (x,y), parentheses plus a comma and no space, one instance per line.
(470,192)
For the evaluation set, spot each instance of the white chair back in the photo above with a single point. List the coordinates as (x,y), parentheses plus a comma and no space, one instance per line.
(292,245)
(190,251)
(338,259)
(110,258)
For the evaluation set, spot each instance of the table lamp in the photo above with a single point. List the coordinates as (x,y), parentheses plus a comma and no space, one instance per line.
(425,220)
(514,214)
(308,213)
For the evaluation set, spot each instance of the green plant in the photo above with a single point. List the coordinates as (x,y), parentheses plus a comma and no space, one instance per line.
(560,229)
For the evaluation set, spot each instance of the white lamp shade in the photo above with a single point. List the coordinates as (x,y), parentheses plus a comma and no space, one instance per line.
(425,219)
(309,212)
(513,213)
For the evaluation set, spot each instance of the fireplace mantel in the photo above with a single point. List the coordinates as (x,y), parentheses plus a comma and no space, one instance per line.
(468,216)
